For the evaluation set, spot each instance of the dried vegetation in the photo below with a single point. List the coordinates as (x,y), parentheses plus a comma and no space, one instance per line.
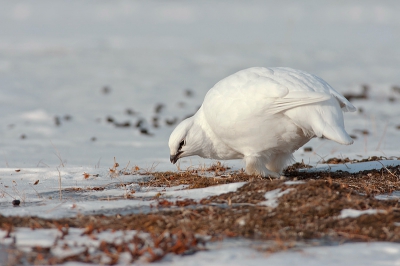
(309,210)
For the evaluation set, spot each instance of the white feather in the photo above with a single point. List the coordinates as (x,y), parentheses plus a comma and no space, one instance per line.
(263,115)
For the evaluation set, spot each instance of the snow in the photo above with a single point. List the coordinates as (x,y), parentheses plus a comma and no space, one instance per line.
(43,200)
(196,194)
(26,237)
(350,213)
(354,167)
(56,58)
(378,253)
(393,195)
(272,197)
(228,252)
(294,182)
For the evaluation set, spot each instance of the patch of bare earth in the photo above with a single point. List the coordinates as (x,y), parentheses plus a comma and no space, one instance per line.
(309,210)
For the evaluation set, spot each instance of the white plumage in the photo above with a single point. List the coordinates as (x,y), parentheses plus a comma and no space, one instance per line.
(262,115)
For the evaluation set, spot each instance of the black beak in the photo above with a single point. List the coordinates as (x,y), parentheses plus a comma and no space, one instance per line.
(175,158)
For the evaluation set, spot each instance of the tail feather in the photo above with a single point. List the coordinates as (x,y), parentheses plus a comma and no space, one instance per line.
(323,120)
(337,134)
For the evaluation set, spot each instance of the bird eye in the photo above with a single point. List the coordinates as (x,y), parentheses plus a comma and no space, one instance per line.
(181,144)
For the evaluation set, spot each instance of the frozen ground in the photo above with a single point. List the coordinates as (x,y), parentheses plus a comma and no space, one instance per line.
(57,59)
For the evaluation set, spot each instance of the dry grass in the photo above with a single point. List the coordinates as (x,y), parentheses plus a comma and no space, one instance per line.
(308,211)
(193,180)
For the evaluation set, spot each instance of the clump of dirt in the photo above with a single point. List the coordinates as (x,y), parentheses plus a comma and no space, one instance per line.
(335,160)
(371,182)
(297,166)
(193,180)
(362,95)
(218,167)
(198,178)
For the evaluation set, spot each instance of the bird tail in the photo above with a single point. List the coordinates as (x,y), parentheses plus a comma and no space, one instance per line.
(323,119)
(335,133)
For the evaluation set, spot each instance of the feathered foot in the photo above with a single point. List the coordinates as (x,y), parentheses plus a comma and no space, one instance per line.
(255,166)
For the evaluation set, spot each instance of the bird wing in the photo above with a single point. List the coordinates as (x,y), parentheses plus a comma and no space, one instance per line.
(264,91)
(296,99)
(279,93)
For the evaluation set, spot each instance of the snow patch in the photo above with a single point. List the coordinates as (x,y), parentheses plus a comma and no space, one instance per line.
(273,196)
(36,115)
(350,213)
(395,195)
(378,253)
(296,182)
(353,167)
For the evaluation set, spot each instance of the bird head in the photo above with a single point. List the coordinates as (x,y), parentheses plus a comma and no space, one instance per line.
(185,140)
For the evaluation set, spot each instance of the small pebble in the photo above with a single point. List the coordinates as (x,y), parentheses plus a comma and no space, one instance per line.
(109,119)
(155,122)
(139,123)
(171,122)
(159,108)
(125,124)
(396,88)
(144,131)
(130,112)
(106,90)
(16,203)
(188,93)
(57,121)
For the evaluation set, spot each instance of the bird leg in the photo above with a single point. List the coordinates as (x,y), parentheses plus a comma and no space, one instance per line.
(279,161)
(256,166)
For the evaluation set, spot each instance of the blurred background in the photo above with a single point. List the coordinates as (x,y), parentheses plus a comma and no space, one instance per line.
(86,81)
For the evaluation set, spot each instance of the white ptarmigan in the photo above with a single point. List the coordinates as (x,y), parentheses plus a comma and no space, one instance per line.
(262,115)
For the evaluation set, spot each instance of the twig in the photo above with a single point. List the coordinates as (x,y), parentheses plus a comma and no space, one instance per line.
(178,166)
(373,122)
(37,193)
(383,166)
(151,168)
(126,167)
(323,160)
(52,209)
(383,136)
(57,153)
(3,191)
(40,162)
(5,158)
(341,155)
(59,182)
(98,163)
(16,191)
(365,144)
